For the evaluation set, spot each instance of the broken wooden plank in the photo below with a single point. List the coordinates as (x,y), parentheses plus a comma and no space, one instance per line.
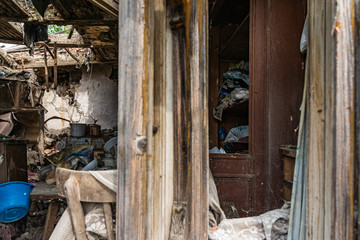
(7,59)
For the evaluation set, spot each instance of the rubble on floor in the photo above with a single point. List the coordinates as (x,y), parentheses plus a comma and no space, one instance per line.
(32,225)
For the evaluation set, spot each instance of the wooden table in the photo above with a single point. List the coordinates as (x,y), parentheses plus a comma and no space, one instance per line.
(43,191)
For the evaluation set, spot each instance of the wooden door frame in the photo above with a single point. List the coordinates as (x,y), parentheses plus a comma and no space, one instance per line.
(138,148)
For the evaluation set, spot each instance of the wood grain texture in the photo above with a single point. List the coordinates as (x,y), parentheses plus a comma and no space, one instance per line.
(343,29)
(330,207)
(134,138)
(196,25)
(90,189)
(71,188)
(316,126)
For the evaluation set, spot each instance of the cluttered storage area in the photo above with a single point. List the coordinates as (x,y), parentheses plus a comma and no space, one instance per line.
(58,119)
(256,76)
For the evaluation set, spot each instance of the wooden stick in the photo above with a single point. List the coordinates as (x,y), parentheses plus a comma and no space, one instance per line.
(71,54)
(17,95)
(55,66)
(46,70)
(71,32)
(12,96)
(47,48)
(233,35)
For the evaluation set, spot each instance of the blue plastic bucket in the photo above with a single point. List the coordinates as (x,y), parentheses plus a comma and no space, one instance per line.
(14,200)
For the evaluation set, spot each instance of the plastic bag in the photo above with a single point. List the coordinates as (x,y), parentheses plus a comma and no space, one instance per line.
(304,36)
(217,150)
(237,133)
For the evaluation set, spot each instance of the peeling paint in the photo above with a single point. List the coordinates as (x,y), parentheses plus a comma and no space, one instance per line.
(95,97)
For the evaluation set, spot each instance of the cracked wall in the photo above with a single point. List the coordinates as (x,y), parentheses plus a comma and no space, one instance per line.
(95,97)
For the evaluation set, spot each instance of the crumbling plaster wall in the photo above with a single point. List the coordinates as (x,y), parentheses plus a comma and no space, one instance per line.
(95,97)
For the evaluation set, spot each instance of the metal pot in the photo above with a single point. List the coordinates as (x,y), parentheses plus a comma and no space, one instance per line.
(94,130)
(77,129)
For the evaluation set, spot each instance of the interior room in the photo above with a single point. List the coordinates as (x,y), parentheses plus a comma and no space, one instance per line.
(256,75)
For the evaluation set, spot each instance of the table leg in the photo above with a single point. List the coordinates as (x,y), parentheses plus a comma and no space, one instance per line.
(50,219)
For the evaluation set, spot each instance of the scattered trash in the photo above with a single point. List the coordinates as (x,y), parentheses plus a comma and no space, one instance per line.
(234,90)
(217,150)
(237,133)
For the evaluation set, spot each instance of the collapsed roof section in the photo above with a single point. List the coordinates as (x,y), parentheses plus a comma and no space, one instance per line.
(95,22)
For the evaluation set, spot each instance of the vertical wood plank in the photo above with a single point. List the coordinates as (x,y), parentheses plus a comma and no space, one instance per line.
(196,24)
(134,119)
(181,126)
(329,210)
(316,126)
(330,207)
(343,29)
(257,89)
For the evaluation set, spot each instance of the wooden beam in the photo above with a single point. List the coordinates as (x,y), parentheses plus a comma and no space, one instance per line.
(55,66)
(71,32)
(109,6)
(48,49)
(11,41)
(46,70)
(196,32)
(71,54)
(79,22)
(63,63)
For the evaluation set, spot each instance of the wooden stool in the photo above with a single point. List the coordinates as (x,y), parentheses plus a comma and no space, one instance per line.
(77,187)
